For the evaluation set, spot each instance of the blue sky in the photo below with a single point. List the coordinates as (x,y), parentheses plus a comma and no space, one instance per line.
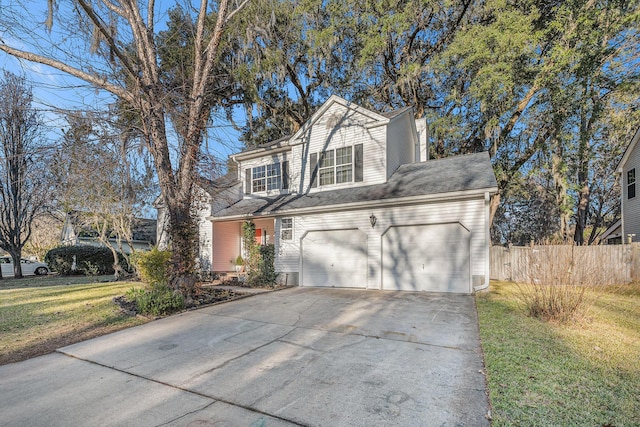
(54,90)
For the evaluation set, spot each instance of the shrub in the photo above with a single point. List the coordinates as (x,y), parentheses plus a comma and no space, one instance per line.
(158,301)
(153,266)
(561,285)
(89,260)
(267,266)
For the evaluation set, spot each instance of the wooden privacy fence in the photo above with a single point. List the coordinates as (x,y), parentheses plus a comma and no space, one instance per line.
(609,264)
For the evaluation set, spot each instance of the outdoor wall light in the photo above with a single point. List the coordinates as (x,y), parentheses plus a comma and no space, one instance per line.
(372,220)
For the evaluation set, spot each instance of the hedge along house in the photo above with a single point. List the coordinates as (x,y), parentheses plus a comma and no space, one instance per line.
(352,200)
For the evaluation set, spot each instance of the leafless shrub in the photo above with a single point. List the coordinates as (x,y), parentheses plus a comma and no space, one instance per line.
(562,284)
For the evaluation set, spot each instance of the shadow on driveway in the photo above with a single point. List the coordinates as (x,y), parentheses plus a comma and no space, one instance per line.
(301,356)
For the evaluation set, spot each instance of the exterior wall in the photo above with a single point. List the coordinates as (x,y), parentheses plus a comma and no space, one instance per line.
(470,213)
(288,251)
(226,241)
(401,143)
(631,208)
(422,151)
(260,161)
(340,127)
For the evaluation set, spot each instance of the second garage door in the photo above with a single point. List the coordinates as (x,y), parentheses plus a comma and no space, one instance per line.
(426,258)
(336,258)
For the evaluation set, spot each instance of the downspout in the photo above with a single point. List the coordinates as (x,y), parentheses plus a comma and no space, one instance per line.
(487,242)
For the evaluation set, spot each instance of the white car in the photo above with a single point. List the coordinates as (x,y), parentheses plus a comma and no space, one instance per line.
(29,268)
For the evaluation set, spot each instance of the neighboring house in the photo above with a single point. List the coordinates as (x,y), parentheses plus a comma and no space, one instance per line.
(629,171)
(76,231)
(352,200)
(211,196)
(613,234)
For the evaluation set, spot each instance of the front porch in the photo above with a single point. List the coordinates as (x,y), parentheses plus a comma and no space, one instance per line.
(227,242)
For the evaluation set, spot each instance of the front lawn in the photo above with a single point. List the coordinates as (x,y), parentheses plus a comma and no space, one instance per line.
(41,314)
(545,374)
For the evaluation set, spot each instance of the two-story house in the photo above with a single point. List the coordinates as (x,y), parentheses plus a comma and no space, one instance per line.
(629,169)
(352,200)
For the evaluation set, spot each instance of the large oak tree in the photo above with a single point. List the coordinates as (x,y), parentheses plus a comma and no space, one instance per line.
(113,46)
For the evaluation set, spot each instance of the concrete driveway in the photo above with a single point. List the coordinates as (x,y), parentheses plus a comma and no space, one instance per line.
(317,357)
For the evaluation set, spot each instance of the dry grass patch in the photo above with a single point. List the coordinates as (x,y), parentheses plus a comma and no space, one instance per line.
(39,315)
(584,372)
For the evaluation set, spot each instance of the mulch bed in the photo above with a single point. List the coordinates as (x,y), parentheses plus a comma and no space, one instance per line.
(204,296)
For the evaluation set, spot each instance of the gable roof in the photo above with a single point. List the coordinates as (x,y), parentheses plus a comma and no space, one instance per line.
(335,99)
(628,151)
(433,178)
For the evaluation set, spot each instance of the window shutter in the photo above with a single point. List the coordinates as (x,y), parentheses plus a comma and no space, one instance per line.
(357,163)
(247,181)
(285,175)
(313,172)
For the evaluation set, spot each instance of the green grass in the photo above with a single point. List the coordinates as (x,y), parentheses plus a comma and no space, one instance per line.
(39,315)
(545,374)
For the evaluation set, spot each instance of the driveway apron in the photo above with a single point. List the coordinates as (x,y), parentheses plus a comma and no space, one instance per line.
(301,356)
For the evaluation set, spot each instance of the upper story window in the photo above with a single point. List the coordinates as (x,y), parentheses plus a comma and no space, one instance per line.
(631,183)
(286,232)
(273,176)
(326,170)
(337,166)
(266,178)
(258,182)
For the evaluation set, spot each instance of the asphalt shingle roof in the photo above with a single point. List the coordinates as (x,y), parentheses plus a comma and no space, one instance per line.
(452,174)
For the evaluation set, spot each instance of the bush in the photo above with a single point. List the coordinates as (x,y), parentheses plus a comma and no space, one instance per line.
(157,301)
(89,260)
(562,286)
(267,266)
(153,266)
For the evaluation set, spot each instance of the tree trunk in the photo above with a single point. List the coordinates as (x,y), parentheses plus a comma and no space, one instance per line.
(493,207)
(184,244)
(17,266)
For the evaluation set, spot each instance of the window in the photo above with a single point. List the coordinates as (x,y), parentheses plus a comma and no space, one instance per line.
(273,176)
(326,170)
(286,232)
(344,165)
(265,178)
(258,179)
(631,183)
(336,166)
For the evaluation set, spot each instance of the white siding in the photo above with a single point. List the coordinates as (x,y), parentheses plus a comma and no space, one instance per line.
(401,142)
(422,151)
(340,127)
(262,161)
(287,251)
(631,207)
(470,213)
(226,245)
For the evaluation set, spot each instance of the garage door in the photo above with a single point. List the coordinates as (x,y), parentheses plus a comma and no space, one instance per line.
(335,258)
(426,258)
